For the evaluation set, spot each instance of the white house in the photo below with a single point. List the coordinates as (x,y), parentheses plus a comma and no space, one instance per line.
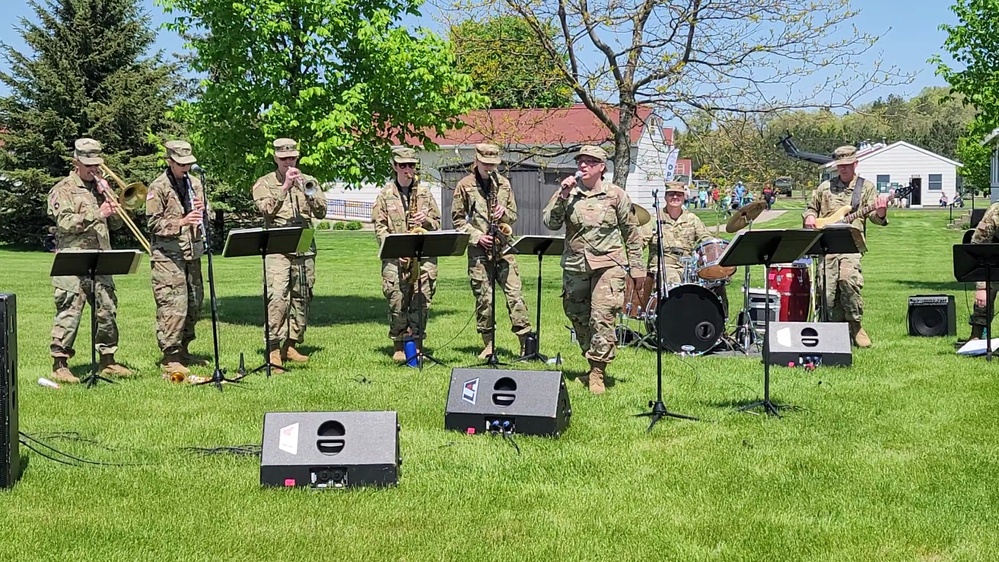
(901,163)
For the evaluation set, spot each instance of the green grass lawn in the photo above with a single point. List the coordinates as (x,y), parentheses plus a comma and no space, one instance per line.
(891,459)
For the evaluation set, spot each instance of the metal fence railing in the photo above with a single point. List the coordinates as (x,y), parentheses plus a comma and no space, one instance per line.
(343,209)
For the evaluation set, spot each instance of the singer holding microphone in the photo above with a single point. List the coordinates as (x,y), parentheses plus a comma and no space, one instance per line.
(175,207)
(287,197)
(603,245)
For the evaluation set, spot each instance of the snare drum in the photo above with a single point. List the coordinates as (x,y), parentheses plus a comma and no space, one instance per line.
(794,284)
(691,319)
(708,254)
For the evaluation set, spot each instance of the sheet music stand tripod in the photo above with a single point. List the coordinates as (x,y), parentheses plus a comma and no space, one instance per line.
(833,239)
(979,262)
(540,246)
(767,247)
(420,246)
(90,264)
(261,242)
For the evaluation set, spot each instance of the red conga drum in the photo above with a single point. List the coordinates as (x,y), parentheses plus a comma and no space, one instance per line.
(793,282)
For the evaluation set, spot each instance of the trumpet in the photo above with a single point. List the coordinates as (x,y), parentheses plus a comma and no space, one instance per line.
(308,186)
(130,196)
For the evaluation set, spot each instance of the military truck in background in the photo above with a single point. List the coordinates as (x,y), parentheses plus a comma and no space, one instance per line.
(784,186)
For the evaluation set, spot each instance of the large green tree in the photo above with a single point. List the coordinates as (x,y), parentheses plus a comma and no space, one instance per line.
(343,77)
(86,72)
(509,65)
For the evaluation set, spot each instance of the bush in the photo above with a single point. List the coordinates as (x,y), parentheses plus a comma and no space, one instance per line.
(323,225)
(354,225)
(339,226)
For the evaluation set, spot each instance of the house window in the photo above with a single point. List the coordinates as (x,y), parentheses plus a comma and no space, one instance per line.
(995,167)
(883,181)
(936,182)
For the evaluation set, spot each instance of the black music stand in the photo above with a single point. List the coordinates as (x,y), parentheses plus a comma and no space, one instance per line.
(420,246)
(540,246)
(90,264)
(261,242)
(767,247)
(833,239)
(979,262)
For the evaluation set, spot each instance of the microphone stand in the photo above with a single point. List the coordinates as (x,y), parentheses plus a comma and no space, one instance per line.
(218,377)
(659,410)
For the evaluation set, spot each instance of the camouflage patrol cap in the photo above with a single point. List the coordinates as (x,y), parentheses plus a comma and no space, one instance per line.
(404,155)
(675,187)
(180,152)
(285,148)
(488,153)
(592,152)
(845,155)
(88,152)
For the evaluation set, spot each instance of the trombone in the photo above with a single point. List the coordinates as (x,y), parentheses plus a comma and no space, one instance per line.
(130,196)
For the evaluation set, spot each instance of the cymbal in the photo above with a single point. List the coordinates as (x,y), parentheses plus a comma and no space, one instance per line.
(744,215)
(640,212)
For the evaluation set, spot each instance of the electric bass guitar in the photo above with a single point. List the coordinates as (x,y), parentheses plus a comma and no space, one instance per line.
(844,216)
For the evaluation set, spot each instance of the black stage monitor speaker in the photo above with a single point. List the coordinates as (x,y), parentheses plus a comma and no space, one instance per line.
(493,400)
(818,343)
(976,217)
(932,315)
(330,449)
(10,460)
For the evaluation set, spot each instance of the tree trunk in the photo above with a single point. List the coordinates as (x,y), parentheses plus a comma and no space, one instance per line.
(622,144)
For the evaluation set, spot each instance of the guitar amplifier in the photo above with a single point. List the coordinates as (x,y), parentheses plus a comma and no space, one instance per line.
(932,315)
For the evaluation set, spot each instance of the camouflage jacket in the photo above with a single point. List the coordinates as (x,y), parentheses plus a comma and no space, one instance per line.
(986,231)
(600,230)
(288,209)
(164,211)
(390,209)
(470,210)
(75,207)
(680,237)
(833,194)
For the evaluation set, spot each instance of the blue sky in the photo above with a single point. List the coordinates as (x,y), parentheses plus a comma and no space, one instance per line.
(906,41)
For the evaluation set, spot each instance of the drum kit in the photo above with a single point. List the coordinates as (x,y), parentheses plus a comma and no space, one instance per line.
(692,315)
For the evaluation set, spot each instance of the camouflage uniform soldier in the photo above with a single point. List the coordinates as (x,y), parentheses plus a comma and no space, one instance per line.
(174,221)
(601,241)
(682,232)
(473,214)
(985,233)
(843,275)
(281,198)
(83,217)
(403,205)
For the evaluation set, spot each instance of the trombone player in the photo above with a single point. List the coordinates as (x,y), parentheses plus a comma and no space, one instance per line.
(174,210)
(84,209)
(484,208)
(287,197)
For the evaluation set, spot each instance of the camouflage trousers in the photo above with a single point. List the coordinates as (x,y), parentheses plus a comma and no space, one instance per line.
(405,306)
(179,291)
(290,280)
(980,314)
(842,283)
(673,277)
(71,295)
(592,301)
(480,270)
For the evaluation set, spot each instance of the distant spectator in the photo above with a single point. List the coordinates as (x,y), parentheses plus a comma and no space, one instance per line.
(702,197)
(737,194)
(715,195)
(943,199)
(768,195)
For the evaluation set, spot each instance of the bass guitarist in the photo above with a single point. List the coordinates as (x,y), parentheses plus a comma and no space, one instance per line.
(843,279)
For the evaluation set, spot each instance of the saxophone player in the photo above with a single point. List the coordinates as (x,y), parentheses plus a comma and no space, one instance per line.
(484,208)
(287,197)
(404,205)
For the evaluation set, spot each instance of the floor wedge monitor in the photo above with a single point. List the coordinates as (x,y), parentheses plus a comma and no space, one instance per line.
(507,401)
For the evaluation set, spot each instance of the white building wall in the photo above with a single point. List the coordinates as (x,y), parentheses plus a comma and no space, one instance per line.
(901,163)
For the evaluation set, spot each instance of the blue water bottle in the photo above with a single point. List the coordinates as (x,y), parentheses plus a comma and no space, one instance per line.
(412,357)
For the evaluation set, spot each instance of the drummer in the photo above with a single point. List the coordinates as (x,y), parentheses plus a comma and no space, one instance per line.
(682,232)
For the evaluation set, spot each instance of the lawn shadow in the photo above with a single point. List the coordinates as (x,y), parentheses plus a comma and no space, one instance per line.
(325,310)
(936,285)
(742,406)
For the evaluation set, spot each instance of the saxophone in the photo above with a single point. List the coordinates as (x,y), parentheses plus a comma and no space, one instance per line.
(409,267)
(501,230)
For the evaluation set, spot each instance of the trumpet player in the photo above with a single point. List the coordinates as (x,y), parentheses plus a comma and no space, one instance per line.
(84,210)
(174,210)
(287,197)
(484,207)
(404,205)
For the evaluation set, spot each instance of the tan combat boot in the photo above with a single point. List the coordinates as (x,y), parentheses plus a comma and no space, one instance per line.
(111,367)
(289,353)
(61,372)
(190,360)
(275,359)
(171,364)
(399,354)
(858,335)
(596,377)
(487,341)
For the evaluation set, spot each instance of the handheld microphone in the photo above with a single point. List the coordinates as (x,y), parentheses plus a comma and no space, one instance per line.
(197,168)
(578,175)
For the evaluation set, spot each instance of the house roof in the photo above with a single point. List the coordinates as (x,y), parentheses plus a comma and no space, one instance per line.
(881,149)
(989,138)
(570,126)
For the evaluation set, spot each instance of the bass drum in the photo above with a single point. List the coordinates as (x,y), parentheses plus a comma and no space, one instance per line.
(690,319)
